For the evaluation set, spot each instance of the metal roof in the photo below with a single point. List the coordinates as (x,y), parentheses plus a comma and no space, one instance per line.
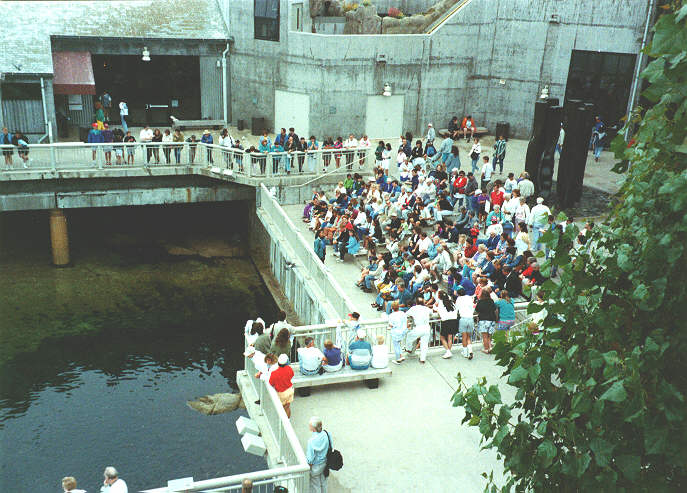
(27,26)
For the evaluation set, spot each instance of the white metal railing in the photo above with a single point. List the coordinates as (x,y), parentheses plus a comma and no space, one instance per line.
(306,260)
(78,155)
(292,471)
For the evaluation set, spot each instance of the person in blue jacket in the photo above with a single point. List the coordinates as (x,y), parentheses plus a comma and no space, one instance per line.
(320,246)
(95,136)
(207,139)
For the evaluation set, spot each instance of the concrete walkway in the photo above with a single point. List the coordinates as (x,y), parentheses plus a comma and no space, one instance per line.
(404,435)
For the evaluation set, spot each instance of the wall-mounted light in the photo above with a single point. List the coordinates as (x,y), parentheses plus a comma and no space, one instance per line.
(387,89)
(544,92)
(146,54)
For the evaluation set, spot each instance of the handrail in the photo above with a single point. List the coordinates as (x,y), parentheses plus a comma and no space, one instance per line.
(440,21)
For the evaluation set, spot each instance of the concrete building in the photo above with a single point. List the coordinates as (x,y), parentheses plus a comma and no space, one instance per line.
(490,59)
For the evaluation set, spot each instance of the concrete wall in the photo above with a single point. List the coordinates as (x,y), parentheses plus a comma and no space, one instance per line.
(211,79)
(299,290)
(459,69)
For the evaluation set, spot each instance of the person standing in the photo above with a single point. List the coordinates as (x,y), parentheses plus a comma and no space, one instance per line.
(475,152)
(525,186)
(431,133)
(421,330)
(113,483)
(447,310)
(99,115)
(486,311)
(130,149)
(505,310)
(398,326)
(95,136)
(499,153)
(108,139)
(178,139)
(280,379)
(167,140)
(539,218)
(561,140)
(124,114)
(487,171)
(146,137)
(106,100)
(466,321)
(598,135)
(316,454)
(6,140)
(363,144)
(350,145)
(157,137)
(207,139)
(320,246)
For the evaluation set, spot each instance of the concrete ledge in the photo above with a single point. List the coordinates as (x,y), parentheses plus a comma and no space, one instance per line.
(346,374)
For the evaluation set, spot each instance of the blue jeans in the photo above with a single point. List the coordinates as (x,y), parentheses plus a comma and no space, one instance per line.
(309,372)
(177,154)
(535,235)
(125,127)
(499,160)
(474,165)
(368,281)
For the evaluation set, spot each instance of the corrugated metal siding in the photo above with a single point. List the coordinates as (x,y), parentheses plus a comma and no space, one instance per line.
(211,88)
(85,117)
(23,115)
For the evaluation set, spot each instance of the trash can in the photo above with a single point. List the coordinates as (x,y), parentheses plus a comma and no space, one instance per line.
(257,126)
(241,124)
(502,128)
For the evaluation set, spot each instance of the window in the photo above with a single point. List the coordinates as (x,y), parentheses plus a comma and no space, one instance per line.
(266,20)
(21,91)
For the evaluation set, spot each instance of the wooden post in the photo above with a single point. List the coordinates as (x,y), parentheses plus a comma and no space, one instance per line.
(59,238)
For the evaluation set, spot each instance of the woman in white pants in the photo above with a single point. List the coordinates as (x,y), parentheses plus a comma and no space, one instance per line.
(420,330)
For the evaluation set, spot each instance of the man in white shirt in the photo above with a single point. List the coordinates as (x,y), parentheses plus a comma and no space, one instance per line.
(365,144)
(350,143)
(310,357)
(421,330)
(510,205)
(112,483)
(123,114)
(466,320)
(146,136)
(525,186)
(539,219)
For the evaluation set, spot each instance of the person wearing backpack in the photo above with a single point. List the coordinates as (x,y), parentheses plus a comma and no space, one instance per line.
(316,455)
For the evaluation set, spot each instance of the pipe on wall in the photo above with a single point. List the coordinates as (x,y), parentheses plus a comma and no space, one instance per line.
(638,71)
(48,133)
(224,85)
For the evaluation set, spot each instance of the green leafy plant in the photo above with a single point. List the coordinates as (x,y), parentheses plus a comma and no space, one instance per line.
(600,389)
(367,3)
(350,7)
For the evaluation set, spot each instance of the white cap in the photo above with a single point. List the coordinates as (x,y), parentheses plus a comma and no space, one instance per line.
(250,351)
(540,200)
(360,333)
(429,124)
(283,359)
(478,191)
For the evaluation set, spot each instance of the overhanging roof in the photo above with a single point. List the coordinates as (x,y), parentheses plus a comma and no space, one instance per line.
(73,73)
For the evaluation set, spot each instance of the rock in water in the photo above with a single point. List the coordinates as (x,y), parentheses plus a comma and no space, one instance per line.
(217,403)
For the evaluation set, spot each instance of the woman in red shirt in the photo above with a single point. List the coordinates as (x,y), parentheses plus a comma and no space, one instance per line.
(280,379)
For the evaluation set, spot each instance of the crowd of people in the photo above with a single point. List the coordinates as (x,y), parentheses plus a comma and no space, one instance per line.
(460,243)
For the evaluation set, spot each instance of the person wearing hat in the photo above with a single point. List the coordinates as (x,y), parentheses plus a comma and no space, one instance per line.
(431,133)
(539,217)
(281,380)
(360,352)
(207,139)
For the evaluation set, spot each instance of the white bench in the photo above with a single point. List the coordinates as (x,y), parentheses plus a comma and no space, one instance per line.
(304,383)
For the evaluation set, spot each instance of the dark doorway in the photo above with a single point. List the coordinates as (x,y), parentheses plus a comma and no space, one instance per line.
(154,90)
(603,79)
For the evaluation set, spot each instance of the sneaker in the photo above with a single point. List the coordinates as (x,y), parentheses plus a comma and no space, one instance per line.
(447,354)
(397,361)
(403,358)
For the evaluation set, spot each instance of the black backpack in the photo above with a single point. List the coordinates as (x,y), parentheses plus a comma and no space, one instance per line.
(334,457)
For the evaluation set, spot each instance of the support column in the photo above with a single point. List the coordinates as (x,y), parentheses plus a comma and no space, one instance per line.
(59,238)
